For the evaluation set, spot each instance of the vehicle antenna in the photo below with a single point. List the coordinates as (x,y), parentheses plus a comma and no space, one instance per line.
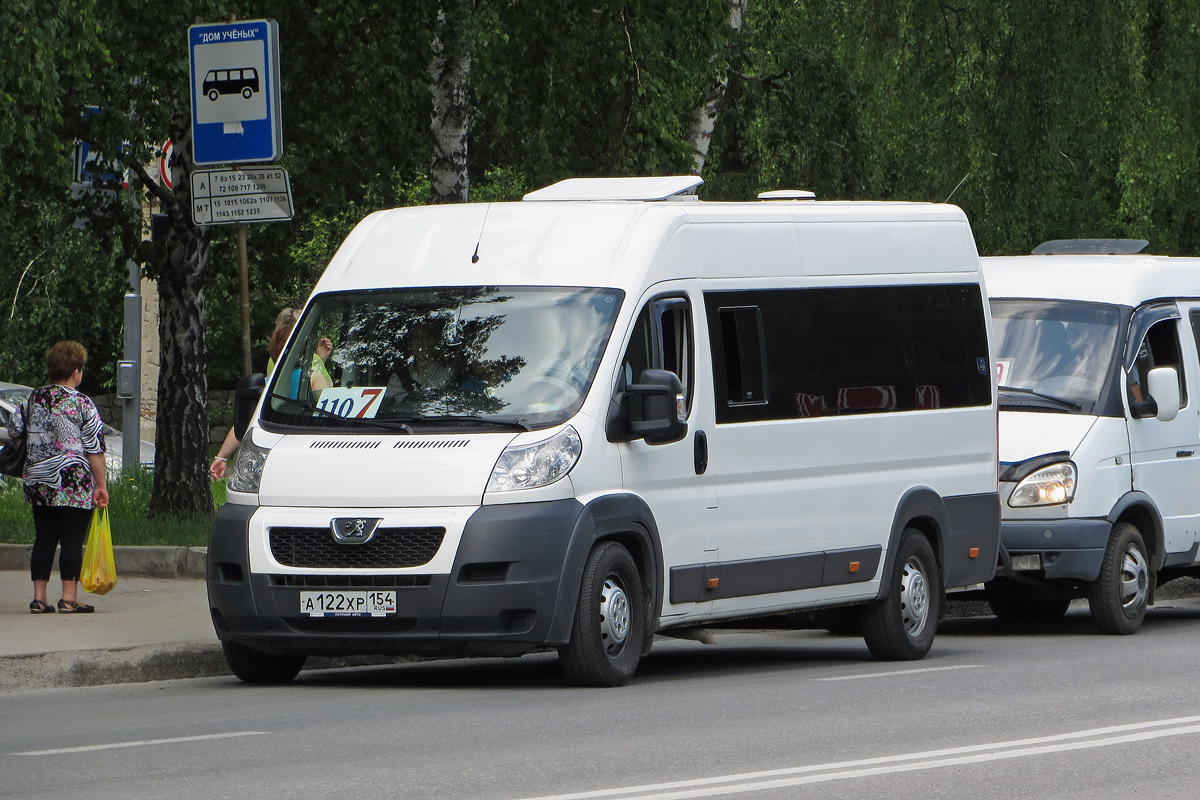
(956,188)
(475,255)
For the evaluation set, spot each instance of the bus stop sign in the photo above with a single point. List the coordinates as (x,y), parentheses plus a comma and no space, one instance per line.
(234,69)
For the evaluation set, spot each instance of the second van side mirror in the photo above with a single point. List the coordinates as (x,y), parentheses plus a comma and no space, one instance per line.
(249,388)
(659,396)
(1163,383)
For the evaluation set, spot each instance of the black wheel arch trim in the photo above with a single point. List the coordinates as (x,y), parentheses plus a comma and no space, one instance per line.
(917,503)
(622,517)
(1143,509)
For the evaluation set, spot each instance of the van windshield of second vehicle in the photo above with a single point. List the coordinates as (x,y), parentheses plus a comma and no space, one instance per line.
(1053,350)
(490,353)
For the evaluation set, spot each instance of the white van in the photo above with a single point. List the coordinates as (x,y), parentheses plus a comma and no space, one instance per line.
(1099,428)
(609,411)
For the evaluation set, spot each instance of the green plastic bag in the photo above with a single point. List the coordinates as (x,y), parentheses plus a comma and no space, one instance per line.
(99,573)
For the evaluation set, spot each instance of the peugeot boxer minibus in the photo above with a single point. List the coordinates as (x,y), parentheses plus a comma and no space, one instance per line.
(608,411)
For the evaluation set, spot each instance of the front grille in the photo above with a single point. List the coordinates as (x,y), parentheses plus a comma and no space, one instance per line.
(351,624)
(350,581)
(392,548)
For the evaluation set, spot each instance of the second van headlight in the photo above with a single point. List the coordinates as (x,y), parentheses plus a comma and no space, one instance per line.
(1049,486)
(529,466)
(246,467)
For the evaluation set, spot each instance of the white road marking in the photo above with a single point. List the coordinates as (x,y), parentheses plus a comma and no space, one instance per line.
(142,743)
(896,672)
(909,762)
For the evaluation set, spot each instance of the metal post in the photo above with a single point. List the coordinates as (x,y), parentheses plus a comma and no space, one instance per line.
(243,274)
(129,383)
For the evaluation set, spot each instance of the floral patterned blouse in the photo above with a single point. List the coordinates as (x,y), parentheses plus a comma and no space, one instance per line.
(64,426)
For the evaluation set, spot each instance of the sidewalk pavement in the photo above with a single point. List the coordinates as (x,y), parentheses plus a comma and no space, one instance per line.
(147,628)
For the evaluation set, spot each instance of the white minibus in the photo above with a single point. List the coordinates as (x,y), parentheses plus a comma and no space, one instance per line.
(1099,428)
(608,411)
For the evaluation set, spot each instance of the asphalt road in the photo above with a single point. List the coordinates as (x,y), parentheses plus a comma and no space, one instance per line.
(995,711)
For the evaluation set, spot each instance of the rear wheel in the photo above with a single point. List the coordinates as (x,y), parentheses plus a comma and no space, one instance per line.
(255,666)
(1120,593)
(901,625)
(1018,601)
(608,632)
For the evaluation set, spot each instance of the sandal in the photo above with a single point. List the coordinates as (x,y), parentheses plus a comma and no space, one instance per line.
(40,607)
(74,607)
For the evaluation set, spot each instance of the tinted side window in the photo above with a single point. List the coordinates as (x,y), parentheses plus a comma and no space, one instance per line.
(832,352)
(742,351)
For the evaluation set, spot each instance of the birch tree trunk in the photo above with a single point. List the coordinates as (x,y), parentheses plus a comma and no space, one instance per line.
(181,485)
(449,69)
(704,118)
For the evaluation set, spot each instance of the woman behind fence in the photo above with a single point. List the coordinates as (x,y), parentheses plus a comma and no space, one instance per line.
(64,474)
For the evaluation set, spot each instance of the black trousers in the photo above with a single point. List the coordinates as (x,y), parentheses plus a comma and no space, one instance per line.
(58,526)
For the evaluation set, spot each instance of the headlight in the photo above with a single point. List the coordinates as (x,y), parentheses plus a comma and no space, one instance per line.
(1049,486)
(532,465)
(245,469)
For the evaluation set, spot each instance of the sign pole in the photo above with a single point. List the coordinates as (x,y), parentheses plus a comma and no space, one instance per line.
(244,276)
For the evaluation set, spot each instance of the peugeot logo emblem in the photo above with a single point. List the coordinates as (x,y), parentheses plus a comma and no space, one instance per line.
(352,530)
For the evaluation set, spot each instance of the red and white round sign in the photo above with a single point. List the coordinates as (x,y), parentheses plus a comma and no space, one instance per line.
(164,164)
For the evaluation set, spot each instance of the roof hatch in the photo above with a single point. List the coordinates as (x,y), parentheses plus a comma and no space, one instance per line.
(787,194)
(1090,247)
(664,188)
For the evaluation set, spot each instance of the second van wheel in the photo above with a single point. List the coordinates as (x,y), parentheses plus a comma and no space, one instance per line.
(901,625)
(608,631)
(1120,593)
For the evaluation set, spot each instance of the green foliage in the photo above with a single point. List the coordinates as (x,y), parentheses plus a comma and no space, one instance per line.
(129,500)
(1042,120)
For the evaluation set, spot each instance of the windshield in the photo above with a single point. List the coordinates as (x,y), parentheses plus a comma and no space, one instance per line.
(437,357)
(1056,353)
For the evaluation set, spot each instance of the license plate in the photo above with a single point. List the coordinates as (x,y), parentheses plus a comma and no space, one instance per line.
(376,603)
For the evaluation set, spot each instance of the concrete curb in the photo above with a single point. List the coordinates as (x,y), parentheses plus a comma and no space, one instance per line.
(145,562)
(156,662)
(74,668)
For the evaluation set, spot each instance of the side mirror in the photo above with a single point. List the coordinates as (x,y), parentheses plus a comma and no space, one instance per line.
(659,397)
(1163,383)
(246,394)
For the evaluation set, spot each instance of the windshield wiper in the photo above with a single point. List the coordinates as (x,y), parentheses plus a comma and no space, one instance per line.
(436,418)
(1062,401)
(377,424)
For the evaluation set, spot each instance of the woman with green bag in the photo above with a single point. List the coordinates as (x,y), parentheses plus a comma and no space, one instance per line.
(64,474)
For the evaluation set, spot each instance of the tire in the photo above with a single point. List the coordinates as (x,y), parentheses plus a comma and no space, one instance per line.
(255,666)
(1018,601)
(213,94)
(1120,593)
(901,625)
(607,634)
(247,92)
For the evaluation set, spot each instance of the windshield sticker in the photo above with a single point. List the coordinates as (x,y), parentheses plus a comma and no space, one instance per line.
(360,402)
(1002,368)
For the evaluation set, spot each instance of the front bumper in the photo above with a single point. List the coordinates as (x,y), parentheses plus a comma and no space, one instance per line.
(510,591)
(1070,549)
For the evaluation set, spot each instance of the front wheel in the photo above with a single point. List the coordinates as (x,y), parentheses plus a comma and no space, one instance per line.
(901,625)
(255,666)
(608,631)
(1120,593)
